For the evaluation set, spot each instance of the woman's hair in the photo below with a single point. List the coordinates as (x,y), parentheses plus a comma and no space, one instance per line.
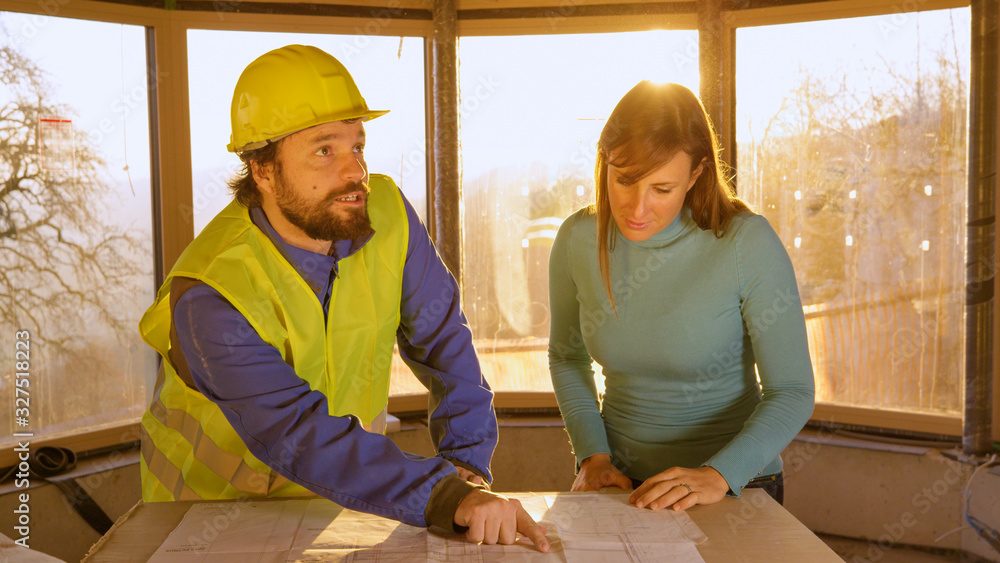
(649,126)
(243,186)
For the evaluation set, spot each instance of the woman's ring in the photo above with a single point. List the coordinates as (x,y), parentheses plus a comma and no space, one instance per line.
(688,487)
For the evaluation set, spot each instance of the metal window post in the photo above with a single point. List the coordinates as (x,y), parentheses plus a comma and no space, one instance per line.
(446,187)
(981,230)
(710,43)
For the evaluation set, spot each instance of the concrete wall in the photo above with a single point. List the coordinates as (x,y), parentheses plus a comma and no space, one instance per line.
(533,454)
(889,495)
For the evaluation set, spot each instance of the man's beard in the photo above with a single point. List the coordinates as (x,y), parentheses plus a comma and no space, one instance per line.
(320,221)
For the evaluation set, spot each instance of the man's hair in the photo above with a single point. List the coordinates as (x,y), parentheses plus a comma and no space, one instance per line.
(243,186)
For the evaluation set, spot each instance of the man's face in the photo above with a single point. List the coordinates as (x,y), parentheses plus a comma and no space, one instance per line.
(320,182)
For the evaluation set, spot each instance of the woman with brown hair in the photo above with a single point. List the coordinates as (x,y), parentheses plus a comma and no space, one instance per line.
(688,302)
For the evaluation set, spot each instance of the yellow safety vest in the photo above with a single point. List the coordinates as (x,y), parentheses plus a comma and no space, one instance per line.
(189,449)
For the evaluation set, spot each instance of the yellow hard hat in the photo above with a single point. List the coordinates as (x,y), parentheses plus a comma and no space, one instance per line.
(291,89)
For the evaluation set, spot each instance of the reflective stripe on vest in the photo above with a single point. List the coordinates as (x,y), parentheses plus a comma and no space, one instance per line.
(189,449)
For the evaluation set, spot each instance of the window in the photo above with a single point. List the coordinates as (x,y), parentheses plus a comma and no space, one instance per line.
(531,109)
(877,247)
(857,157)
(75,226)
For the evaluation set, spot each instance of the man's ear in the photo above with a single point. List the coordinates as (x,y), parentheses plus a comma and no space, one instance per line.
(263,175)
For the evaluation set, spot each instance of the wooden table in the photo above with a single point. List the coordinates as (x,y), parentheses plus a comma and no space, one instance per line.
(751,528)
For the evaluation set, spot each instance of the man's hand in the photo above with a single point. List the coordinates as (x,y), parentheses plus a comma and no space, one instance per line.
(597,472)
(470,476)
(493,518)
(680,488)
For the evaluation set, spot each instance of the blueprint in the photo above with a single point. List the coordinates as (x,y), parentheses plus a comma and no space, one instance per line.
(599,527)
(580,528)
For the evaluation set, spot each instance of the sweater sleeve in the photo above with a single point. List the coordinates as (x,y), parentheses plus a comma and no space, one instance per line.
(435,341)
(570,365)
(772,315)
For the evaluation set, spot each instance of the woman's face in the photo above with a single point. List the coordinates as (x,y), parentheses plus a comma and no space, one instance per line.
(645,207)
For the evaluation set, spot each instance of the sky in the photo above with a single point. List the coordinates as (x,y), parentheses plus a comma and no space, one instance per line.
(861,49)
(545,98)
(104,85)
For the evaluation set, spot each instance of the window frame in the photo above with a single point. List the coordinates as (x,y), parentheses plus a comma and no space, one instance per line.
(121,435)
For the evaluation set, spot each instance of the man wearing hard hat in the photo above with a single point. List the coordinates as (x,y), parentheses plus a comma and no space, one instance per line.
(277,326)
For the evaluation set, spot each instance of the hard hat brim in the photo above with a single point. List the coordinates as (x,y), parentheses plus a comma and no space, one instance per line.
(366,116)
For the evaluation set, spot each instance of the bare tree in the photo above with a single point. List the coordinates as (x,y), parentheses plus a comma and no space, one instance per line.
(69,271)
(869,184)
(63,266)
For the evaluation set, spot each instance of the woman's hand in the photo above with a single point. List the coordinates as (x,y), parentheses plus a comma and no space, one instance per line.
(596,472)
(680,488)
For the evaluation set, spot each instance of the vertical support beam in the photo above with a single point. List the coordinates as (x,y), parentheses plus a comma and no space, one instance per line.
(154,159)
(996,317)
(710,44)
(174,125)
(981,229)
(446,191)
(726,127)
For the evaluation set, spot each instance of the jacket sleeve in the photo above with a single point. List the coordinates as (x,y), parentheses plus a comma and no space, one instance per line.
(286,424)
(570,365)
(435,341)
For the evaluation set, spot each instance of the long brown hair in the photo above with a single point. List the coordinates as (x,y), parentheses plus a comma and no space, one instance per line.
(651,124)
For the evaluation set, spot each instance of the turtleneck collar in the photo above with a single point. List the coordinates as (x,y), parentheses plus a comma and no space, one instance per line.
(680,225)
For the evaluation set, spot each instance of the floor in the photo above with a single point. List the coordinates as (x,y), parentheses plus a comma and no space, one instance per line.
(859,551)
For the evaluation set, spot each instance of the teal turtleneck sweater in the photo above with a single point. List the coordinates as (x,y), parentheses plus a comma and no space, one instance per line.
(696,314)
